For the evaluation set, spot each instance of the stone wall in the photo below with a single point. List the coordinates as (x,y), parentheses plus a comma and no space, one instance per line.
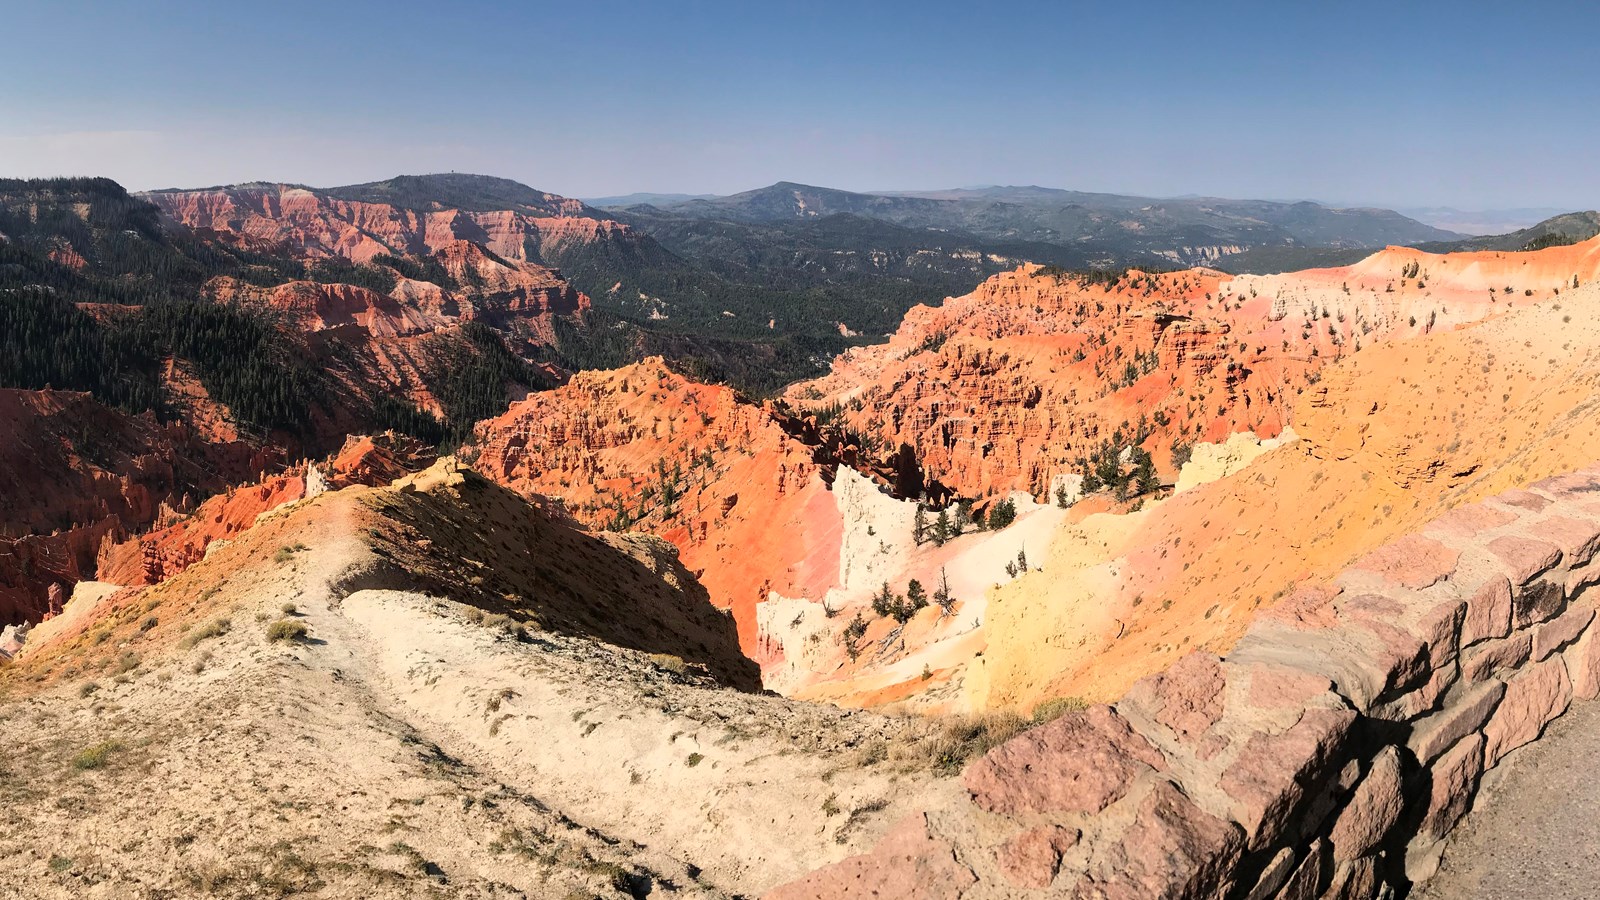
(1327,756)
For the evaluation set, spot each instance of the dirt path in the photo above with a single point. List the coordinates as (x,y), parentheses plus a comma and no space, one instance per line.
(1536,831)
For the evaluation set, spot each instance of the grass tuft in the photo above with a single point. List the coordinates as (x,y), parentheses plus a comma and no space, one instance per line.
(287,630)
(97,756)
(205,631)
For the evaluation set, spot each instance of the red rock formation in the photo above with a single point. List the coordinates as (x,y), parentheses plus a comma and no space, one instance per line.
(643,448)
(494,256)
(75,473)
(1008,386)
(314,307)
(272,217)
(162,553)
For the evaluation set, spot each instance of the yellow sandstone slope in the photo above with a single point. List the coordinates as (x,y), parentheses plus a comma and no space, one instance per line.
(1391,437)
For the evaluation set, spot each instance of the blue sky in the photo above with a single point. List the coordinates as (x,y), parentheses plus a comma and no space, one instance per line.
(1464,104)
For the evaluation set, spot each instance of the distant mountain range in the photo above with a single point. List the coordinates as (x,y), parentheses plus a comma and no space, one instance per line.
(1482,221)
(1085,229)
(1566,228)
(654,199)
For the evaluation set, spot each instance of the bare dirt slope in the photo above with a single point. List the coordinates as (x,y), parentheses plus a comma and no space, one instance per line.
(412,745)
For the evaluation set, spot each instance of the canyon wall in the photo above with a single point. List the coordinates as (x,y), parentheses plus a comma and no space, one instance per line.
(76,474)
(1008,387)
(642,448)
(1329,754)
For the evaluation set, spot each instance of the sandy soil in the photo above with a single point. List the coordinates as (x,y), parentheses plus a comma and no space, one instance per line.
(411,745)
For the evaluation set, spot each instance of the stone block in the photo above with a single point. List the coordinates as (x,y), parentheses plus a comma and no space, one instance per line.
(1032,858)
(1268,780)
(1555,634)
(1533,697)
(1413,561)
(1172,848)
(1274,876)
(1524,558)
(1372,810)
(1306,882)
(1453,782)
(1583,664)
(1490,658)
(1488,611)
(1465,711)
(1578,539)
(1081,762)
(1354,880)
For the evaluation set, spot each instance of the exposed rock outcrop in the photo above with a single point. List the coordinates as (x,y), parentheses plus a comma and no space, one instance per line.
(164,552)
(76,474)
(1009,386)
(1328,754)
(645,448)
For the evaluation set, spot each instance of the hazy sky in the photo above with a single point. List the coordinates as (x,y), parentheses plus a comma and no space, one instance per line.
(1466,104)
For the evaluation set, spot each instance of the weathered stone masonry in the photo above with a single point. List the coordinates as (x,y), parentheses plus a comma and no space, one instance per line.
(1327,756)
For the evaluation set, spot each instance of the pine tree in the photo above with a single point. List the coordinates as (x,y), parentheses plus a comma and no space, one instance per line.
(916,597)
(941,528)
(919,528)
(1144,473)
(1002,515)
(853,632)
(883,603)
(942,597)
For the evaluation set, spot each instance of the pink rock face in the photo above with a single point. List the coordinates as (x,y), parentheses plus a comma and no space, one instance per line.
(1577,539)
(1579,580)
(1307,877)
(1354,880)
(1372,810)
(1492,657)
(909,862)
(1414,703)
(1535,696)
(1560,631)
(1525,559)
(1402,659)
(1365,662)
(1186,698)
(1081,762)
(1172,849)
(1488,612)
(1433,735)
(1413,561)
(1583,665)
(1278,687)
(1268,780)
(1032,858)
(1454,782)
